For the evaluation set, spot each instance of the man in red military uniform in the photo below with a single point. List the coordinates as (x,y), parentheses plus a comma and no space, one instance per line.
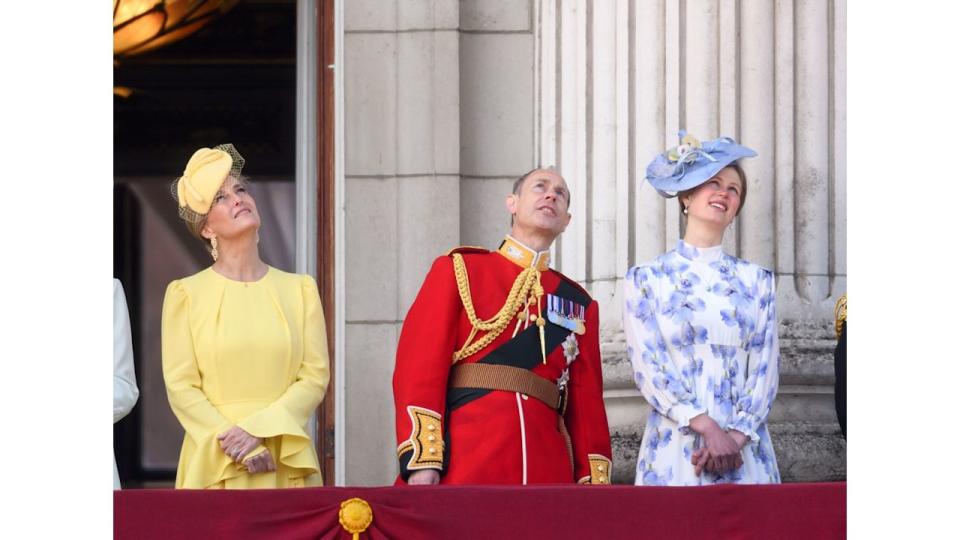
(497,378)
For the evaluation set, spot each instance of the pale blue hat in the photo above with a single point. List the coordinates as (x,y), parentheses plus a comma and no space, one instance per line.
(692,163)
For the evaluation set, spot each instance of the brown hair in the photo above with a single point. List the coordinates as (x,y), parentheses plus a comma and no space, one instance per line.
(743,184)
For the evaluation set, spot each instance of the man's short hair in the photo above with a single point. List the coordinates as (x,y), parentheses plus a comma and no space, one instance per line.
(518,183)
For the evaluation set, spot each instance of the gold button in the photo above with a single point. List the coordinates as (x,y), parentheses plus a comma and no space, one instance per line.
(433,450)
(600,468)
(431,438)
(431,427)
(602,479)
(533,317)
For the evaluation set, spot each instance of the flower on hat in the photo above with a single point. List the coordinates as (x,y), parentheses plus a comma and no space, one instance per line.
(685,150)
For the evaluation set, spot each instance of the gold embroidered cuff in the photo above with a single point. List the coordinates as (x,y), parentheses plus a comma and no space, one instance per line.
(599,469)
(426,440)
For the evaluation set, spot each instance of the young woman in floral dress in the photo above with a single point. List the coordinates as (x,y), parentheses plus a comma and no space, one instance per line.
(701,331)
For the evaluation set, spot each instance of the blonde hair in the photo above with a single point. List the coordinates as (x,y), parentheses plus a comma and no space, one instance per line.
(195,227)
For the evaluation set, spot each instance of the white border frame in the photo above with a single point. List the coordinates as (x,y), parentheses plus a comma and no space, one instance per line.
(305,248)
(339,221)
(306,209)
(306,174)
(305,166)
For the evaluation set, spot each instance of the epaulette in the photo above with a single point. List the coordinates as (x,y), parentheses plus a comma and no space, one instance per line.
(467,249)
(574,284)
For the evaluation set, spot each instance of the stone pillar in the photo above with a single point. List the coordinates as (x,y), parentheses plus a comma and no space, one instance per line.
(448,102)
(496,113)
(616,80)
(402,130)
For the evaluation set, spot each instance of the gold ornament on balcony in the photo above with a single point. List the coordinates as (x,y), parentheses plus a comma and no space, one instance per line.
(355,516)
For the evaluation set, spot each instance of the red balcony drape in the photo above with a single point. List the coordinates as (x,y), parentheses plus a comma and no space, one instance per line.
(465,512)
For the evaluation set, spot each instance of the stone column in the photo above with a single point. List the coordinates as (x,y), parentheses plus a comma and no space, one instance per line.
(497,111)
(448,102)
(402,130)
(616,80)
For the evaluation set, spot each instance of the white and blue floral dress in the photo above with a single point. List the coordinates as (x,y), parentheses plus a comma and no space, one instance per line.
(701,332)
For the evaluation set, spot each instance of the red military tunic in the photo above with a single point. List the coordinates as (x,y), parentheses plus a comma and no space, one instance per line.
(496,436)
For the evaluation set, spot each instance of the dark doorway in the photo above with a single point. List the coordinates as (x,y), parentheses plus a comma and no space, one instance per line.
(233,81)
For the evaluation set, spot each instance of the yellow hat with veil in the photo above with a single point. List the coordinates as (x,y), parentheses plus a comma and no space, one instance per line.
(205,172)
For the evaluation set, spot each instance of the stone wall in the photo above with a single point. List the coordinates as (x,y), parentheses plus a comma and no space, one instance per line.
(615,81)
(447,102)
(402,201)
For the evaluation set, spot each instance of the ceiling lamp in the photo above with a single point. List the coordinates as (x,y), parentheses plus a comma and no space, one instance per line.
(143,25)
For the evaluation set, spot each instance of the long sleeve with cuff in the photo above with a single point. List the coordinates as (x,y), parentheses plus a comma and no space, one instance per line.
(466,418)
(125,392)
(247,354)
(701,332)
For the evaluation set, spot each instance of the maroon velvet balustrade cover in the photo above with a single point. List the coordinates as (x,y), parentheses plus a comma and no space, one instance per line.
(807,511)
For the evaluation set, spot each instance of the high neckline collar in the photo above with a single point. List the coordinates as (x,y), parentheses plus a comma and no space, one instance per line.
(700,254)
(260,279)
(522,255)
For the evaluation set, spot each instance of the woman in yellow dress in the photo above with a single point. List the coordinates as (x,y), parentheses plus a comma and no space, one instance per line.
(244,345)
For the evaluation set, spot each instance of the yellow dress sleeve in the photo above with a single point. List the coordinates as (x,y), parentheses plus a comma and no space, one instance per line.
(287,416)
(207,464)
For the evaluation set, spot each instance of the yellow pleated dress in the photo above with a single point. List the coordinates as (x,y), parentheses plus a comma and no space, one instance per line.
(251,354)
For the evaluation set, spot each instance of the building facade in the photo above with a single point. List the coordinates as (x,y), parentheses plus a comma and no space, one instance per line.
(446,103)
